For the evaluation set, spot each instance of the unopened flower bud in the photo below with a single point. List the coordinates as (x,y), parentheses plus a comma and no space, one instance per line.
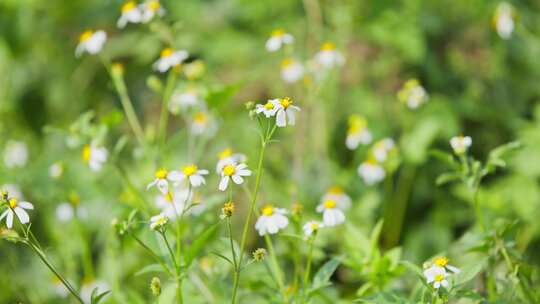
(117,69)
(155,286)
(297,208)
(227,210)
(259,254)
(250,105)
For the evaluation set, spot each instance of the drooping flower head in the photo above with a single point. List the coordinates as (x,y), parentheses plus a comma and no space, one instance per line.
(277,39)
(329,56)
(271,220)
(371,172)
(91,42)
(286,112)
(130,13)
(336,194)
(382,148)
(312,227)
(332,215)
(413,94)
(150,9)
(291,70)
(170,58)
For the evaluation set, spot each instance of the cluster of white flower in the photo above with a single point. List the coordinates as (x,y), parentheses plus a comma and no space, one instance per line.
(131,12)
(358,132)
(438,271)
(95,156)
(293,70)
(282,108)
(413,94)
(15,206)
(372,170)
(460,144)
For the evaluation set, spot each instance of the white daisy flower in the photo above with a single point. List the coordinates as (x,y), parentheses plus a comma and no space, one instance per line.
(66,211)
(15,154)
(91,42)
(150,9)
(277,39)
(202,122)
(443,263)
(286,112)
(328,56)
(170,58)
(332,215)
(173,203)
(184,99)
(227,156)
(436,276)
(311,227)
(192,173)
(291,70)
(56,170)
(336,194)
(130,14)
(271,220)
(382,148)
(88,286)
(158,221)
(235,172)
(503,20)
(357,132)
(94,156)
(371,172)
(16,208)
(269,109)
(413,94)
(460,144)
(161,181)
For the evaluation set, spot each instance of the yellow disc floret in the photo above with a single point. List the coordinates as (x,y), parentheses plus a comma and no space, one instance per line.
(328,46)
(161,174)
(285,102)
(229,170)
(166,52)
(128,6)
(269,105)
(226,153)
(86,35)
(86,153)
(13,202)
(200,117)
(189,170)
(286,62)
(335,190)
(153,5)
(268,210)
(329,204)
(278,33)
(439,277)
(441,261)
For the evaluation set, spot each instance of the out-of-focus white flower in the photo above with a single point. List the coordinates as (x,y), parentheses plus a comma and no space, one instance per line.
(371,172)
(329,56)
(503,20)
(170,58)
(357,133)
(95,156)
(413,94)
(184,99)
(226,156)
(442,262)
(88,287)
(269,109)
(64,212)
(460,144)
(233,171)
(291,70)
(13,191)
(130,13)
(311,227)
(150,9)
(56,170)
(436,276)
(332,215)
(173,203)
(382,148)
(91,42)
(158,221)
(202,122)
(336,194)
(192,173)
(15,154)
(277,39)
(271,220)
(286,112)
(16,208)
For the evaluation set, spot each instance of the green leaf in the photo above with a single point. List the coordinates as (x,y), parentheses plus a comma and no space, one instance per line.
(223,257)
(95,298)
(149,268)
(417,271)
(469,272)
(445,157)
(446,178)
(199,243)
(220,95)
(322,277)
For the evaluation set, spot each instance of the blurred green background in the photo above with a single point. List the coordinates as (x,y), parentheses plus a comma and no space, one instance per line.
(479,85)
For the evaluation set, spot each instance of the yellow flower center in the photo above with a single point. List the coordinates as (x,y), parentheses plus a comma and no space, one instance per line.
(169,197)
(329,204)
(285,102)
(74,199)
(153,5)
(441,261)
(356,124)
(268,210)
(278,33)
(314,226)
(161,174)
(328,46)
(161,221)
(439,277)
(335,190)
(13,202)
(128,6)
(200,117)
(86,35)
(166,52)
(269,105)
(286,62)
(86,153)
(229,170)
(189,170)
(227,152)
(370,161)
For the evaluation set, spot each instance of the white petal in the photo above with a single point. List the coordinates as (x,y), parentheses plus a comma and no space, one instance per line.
(26,205)
(22,215)
(196,180)
(291,117)
(223,183)
(237,179)
(9,220)
(202,172)
(163,186)
(280,119)
(244,172)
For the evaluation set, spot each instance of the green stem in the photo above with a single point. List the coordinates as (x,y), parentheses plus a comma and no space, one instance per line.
(308,270)
(277,269)
(171,252)
(229,226)
(478,209)
(248,221)
(152,253)
(164,116)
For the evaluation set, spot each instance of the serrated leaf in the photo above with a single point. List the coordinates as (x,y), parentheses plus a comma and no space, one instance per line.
(149,268)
